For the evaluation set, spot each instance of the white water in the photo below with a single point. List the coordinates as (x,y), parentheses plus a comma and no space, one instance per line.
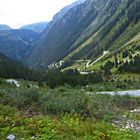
(130,92)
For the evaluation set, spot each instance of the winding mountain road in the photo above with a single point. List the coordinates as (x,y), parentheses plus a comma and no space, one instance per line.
(89,61)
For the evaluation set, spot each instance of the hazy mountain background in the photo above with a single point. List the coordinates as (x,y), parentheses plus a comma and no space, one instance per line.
(18,43)
(4,27)
(83,30)
(36,27)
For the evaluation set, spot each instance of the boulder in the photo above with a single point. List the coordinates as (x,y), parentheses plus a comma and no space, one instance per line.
(11,137)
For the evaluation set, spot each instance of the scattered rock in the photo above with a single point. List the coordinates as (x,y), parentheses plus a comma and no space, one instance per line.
(14,82)
(11,137)
(126,123)
(33,137)
(131,124)
(124,116)
(135,111)
(33,86)
(89,93)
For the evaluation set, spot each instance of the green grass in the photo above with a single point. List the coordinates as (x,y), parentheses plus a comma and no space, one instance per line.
(66,127)
(82,46)
(110,56)
(77,65)
(65,113)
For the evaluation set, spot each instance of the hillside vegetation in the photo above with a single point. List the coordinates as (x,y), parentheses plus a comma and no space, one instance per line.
(74,78)
(66,113)
(86,30)
(14,69)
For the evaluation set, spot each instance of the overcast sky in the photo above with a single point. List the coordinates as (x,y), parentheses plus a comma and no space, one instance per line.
(20,12)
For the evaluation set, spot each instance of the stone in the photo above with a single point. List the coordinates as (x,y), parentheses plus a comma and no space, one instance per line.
(11,137)
(33,137)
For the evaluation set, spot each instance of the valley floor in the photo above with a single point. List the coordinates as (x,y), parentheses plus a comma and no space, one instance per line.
(67,113)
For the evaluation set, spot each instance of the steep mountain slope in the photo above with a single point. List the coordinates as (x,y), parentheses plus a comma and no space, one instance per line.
(14,69)
(86,30)
(123,60)
(116,24)
(4,27)
(62,12)
(17,44)
(61,35)
(36,27)
(126,54)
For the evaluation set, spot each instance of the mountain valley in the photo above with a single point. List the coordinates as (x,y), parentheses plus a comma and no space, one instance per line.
(76,77)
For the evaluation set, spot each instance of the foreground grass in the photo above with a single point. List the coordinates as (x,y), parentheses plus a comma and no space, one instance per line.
(64,113)
(63,127)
